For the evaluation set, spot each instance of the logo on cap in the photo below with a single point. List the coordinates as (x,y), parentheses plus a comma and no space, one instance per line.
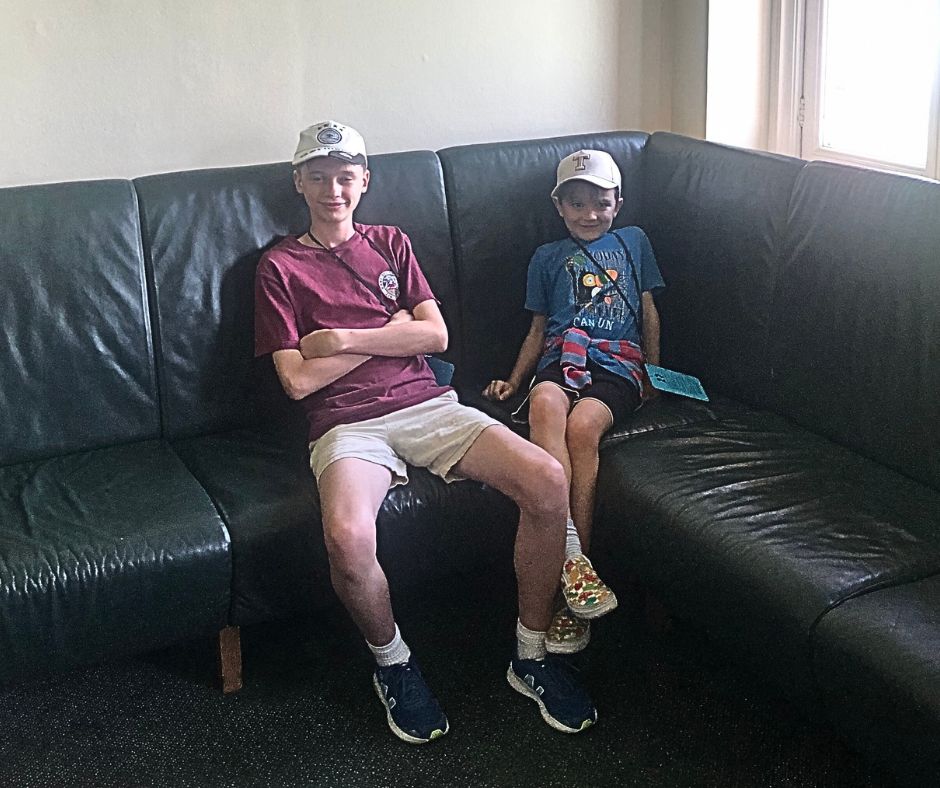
(580,161)
(329,136)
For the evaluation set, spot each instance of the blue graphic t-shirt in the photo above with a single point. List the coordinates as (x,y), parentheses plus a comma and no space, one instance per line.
(572,292)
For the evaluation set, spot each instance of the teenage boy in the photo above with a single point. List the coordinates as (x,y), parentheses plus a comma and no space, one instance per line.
(594,324)
(348,316)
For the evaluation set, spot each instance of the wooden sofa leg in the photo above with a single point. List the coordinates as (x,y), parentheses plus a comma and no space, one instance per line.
(230,659)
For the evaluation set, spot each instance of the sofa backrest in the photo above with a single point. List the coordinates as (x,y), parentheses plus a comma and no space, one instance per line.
(498,199)
(715,216)
(813,290)
(76,369)
(855,340)
(203,234)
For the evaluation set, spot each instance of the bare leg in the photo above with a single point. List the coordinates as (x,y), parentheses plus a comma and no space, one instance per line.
(536,482)
(588,422)
(351,492)
(548,413)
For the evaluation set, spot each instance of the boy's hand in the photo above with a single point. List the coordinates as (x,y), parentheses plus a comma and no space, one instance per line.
(499,390)
(649,391)
(322,343)
(401,316)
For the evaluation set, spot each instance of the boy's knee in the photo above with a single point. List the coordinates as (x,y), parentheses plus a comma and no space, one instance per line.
(584,432)
(546,487)
(349,545)
(582,438)
(546,410)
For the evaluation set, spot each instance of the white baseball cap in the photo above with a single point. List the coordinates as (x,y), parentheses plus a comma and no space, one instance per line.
(593,166)
(333,139)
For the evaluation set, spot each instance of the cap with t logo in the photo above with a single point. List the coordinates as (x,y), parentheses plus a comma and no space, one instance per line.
(593,166)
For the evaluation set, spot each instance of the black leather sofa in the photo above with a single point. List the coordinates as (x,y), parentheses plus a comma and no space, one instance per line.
(153,478)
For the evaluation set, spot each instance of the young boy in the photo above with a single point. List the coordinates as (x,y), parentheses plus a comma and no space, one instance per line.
(348,317)
(594,324)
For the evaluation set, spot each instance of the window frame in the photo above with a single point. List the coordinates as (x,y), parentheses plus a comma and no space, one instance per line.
(796,62)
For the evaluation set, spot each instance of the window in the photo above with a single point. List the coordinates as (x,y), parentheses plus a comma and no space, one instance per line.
(852,81)
(870,83)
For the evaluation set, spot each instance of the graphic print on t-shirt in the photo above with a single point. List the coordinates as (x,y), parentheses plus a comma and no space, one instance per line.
(598,303)
(388,284)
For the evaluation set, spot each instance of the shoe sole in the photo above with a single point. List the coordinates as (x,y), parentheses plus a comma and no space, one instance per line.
(406,737)
(596,611)
(524,689)
(568,646)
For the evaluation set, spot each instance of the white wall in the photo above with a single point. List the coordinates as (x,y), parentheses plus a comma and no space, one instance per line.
(739,55)
(110,88)
(663,55)
(689,28)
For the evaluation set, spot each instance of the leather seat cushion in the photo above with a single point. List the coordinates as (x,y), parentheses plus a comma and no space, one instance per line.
(106,552)
(875,658)
(756,528)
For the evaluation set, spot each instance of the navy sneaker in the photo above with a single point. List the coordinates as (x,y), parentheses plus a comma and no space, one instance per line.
(551,683)
(413,713)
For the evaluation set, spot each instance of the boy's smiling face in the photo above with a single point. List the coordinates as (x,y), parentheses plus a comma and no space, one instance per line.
(588,210)
(331,187)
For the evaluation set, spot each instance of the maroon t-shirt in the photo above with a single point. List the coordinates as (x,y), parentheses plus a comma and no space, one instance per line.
(299,289)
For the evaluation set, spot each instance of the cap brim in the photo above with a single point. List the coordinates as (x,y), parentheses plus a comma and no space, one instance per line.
(603,183)
(353,158)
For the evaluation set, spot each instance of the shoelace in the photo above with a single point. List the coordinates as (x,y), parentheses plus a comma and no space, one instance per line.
(407,686)
(560,674)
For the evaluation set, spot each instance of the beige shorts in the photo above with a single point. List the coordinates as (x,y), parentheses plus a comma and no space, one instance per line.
(434,435)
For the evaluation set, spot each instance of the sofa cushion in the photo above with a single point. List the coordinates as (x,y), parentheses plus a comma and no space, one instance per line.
(876,662)
(106,552)
(204,232)
(714,216)
(76,368)
(266,493)
(666,411)
(755,528)
(499,201)
(856,323)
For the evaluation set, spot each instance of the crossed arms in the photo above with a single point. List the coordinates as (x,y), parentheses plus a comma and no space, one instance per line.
(327,354)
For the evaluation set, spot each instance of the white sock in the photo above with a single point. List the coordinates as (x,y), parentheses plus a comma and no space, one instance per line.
(572,542)
(529,643)
(391,653)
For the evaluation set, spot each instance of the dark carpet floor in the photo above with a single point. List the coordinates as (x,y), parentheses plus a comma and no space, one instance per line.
(672,713)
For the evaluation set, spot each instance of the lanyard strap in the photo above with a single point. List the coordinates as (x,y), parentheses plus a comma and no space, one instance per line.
(362,280)
(636,279)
